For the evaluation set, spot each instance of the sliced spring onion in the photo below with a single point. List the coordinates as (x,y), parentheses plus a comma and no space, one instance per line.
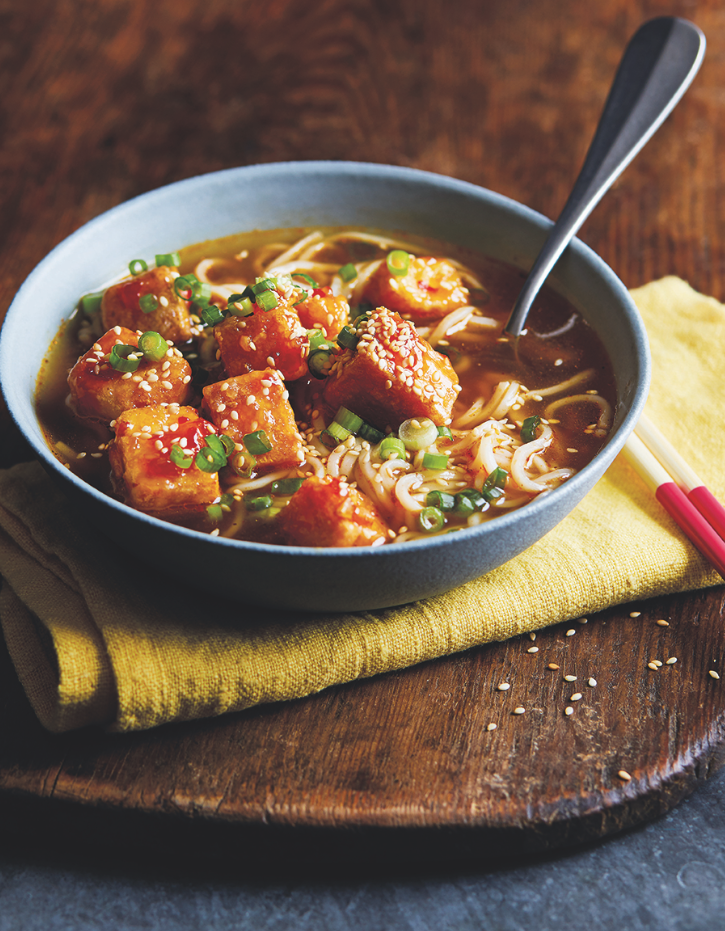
(431,520)
(260,503)
(318,340)
(257,443)
(170,259)
(209,459)
(464,506)
(240,306)
(179,457)
(119,358)
(286,486)
(445,433)
(243,463)
(319,363)
(184,287)
(202,293)
(148,303)
(334,434)
(398,262)
(212,314)
(348,272)
(137,267)
(348,420)
(370,433)
(418,432)
(214,512)
(217,442)
(391,448)
(267,300)
(528,428)
(304,277)
(493,487)
(91,303)
(440,499)
(348,338)
(153,346)
(263,284)
(476,498)
(435,460)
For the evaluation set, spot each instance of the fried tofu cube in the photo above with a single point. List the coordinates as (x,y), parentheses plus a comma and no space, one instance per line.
(429,289)
(328,512)
(265,339)
(324,311)
(257,401)
(120,305)
(391,375)
(145,473)
(101,392)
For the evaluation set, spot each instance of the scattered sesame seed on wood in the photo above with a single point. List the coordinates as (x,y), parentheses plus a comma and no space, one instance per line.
(671,660)
(570,678)
(491,726)
(568,710)
(553,666)
(504,686)
(533,650)
(652,666)
(624,775)
(634,613)
(570,633)
(592,682)
(577,696)
(662,623)
(711,672)
(532,635)
(583,620)
(519,710)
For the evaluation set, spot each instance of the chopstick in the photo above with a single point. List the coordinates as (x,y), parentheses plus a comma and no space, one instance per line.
(702,521)
(688,480)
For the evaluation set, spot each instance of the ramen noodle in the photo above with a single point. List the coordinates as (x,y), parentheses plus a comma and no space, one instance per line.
(326,387)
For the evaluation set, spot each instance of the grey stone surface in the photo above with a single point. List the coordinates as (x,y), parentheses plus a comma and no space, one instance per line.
(668,875)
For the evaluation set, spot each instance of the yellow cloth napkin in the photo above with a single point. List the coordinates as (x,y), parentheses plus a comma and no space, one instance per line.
(96,639)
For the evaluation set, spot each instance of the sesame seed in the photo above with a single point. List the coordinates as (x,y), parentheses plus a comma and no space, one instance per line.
(591,682)
(270,362)
(568,710)
(504,686)
(662,623)
(583,620)
(553,666)
(167,385)
(636,614)
(570,633)
(491,726)
(657,662)
(570,678)
(711,672)
(519,710)
(671,661)
(532,636)
(623,774)
(81,455)
(652,666)
(533,650)
(577,696)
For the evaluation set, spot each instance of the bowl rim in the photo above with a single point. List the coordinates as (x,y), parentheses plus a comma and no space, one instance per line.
(118,213)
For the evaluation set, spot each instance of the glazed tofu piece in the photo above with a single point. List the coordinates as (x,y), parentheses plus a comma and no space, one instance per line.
(257,401)
(430,289)
(120,305)
(141,459)
(391,375)
(102,392)
(266,339)
(328,512)
(324,311)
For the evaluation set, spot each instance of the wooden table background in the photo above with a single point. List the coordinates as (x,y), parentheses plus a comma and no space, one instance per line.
(101,100)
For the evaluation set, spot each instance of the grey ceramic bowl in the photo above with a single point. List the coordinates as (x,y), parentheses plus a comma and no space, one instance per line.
(302,194)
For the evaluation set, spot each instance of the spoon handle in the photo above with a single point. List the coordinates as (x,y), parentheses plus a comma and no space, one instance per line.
(659,63)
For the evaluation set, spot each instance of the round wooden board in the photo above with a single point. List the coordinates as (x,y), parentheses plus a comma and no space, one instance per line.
(412,750)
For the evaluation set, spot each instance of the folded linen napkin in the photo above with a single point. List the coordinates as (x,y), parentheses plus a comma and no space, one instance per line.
(98,638)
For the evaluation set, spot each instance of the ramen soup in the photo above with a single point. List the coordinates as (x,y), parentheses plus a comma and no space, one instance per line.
(323,388)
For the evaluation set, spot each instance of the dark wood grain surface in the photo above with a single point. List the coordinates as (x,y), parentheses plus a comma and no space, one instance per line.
(103,100)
